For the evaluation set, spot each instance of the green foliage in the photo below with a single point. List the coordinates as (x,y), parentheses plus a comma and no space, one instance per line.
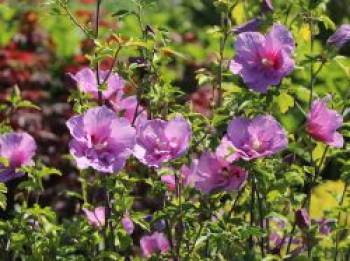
(178,55)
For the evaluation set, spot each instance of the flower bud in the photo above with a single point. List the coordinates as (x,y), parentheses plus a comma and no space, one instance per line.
(340,37)
(149,30)
(302,218)
(267,6)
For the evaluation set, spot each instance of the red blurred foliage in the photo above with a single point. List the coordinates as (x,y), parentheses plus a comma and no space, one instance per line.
(87,1)
(23,61)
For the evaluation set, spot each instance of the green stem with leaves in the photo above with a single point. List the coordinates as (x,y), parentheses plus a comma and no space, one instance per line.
(252,215)
(221,59)
(179,225)
(73,19)
(97,69)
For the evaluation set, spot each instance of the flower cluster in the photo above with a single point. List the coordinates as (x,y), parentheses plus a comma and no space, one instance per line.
(224,172)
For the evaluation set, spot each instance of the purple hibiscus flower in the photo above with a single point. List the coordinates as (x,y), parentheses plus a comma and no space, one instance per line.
(96,217)
(101,140)
(340,37)
(18,149)
(263,60)
(322,123)
(86,82)
(159,141)
(211,173)
(154,243)
(250,139)
(127,223)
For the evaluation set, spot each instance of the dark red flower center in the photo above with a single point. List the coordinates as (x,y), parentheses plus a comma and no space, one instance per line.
(271,60)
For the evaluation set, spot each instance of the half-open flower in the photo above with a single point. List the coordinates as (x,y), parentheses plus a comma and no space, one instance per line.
(18,149)
(323,123)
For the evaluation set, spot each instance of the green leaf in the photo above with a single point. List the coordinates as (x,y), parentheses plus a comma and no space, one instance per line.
(284,102)
(4,161)
(294,178)
(327,22)
(122,13)
(27,104)
(46,171)
(238,13)
(3,199)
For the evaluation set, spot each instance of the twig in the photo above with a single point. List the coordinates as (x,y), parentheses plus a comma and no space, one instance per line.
(196,239)
(312,38)
(252,200)
(73,19)
(97,25)
(240,193)
(261,220)
(115,57)
(179,226)
(339,215)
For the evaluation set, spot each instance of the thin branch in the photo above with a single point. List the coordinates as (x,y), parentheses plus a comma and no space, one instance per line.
(190,252)
(179,225)
(114,61)
(97,25)
(261,220)
(252,201)
(221,59)
(73,19)
(233,207)
(339,215)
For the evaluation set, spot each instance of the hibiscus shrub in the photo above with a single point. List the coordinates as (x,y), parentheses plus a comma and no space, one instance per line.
(238,170)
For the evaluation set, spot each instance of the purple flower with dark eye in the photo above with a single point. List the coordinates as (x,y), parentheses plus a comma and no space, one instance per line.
(211,173)
(127,223)
(96,217)
(322,123)
(340,37)
(302,218)
(18,149)
(263,60)
(159,141)
(101,140)
(250,26)
(86,81)
(154,243)
(250,139)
